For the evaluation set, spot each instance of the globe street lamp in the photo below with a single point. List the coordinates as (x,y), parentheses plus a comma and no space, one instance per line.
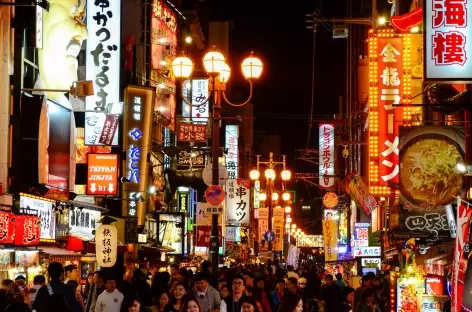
(216,67)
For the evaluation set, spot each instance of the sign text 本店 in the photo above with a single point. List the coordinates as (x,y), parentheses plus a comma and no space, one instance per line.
(447,24)
(102,174)
(232,139)
(237,201)
(103,68)
(326,152)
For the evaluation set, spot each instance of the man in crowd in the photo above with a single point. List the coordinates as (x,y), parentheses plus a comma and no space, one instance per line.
(330,294)
(233,303)
(98,288)
(292,273)
(292,284)
(71,273)
(55,290)
(3,293)
(174,268)
(38,282)
(207,296)
(111,299)
(277,295)
(340,282)
(367,282)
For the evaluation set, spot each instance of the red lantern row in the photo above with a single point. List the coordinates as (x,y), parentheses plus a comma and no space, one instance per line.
(21,230)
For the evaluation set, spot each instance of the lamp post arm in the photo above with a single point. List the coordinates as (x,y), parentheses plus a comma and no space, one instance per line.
(242,104)
(194,105)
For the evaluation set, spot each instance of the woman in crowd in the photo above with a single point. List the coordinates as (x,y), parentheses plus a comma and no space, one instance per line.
(249,304)
(133,304)
(77,290)
(224,292)
(345,304)
(249,292)
(16,299)
(190,305)
(161,302)
(367,303)
(291,303)
(180,291)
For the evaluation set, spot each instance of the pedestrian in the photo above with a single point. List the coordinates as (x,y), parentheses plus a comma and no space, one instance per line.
(340,282)
(207,296)
(56,296)
(38,282)
(330,294)
(71,273)
(277,295)
(191,304)
(97,288)
(3,293)
(292,303)
(249,304)
(367,283)
(233,302)
(292,273)
(348,298)
(134,304)
(180,290)
(76,288)
(161,302)
(291,284)
(111,299)
(16,299)
(224,292)
(367,302)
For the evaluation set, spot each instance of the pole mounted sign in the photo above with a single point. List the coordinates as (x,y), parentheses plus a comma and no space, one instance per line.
(102,174)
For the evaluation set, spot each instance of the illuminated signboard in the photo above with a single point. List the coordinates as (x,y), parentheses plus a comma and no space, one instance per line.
(83,223)
(257,190)
(361,235)
(196,92)
(103,68)
(312,241)
(137,119)
(390,85)
(366,251)
(238,201)
(232,138)
(102,174)
(171,231)
(447,24)
(326,151)
(42,207)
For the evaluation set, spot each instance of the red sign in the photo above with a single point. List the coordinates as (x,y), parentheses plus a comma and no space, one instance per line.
(330,200)
(204,235)
(390,94)
(27,230)
(215,195)
(434,285)
(187,132)
(109,129)
(102,174)
(7,227)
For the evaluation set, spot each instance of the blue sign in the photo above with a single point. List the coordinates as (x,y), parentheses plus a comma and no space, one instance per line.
(269,236)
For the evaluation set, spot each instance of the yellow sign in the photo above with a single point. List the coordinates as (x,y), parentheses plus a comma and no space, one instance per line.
(278,243)
(330,235)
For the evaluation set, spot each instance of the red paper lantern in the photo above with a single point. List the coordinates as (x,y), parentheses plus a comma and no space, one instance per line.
(7,227)
(27,230)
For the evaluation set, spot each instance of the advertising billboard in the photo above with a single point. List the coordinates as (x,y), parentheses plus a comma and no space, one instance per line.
(428,178)
(446,27)
(171,231)
(196,92)
(326,151)
(238,199)
(43,208)
(232,145)
(103,67)
(137,119)
(330,236)
(83,223)
(102,174)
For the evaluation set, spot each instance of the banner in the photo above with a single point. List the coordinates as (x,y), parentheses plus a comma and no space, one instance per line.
(238,201)
(278,243)
(330,236)
(27,230)
(358,190)
(7,227)
(326,161)
(429,181)
(204,235)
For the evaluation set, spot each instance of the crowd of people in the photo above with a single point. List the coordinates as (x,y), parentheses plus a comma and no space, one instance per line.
(245,288)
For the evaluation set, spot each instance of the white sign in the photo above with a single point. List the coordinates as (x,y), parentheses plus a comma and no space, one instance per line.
(368,262)
(447,25)
(237,201)
(83,222)
(366,251)
(257,190)
(197,93)
(326,155)
(233,234)
(39,27)
(44,211)
(103,68)
(232,138)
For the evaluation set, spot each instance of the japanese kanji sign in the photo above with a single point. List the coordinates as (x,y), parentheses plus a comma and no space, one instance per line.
(238,201)
(102,177)
(231,144)
(366,251)
(326,152)
(106,241)
(278,228)
(103,68)
(43,209)
(7,227)
(361,235)
(137,117)
(190,132)
(27,230)
(447,24)
(330,236)
(196,92)
(204,234)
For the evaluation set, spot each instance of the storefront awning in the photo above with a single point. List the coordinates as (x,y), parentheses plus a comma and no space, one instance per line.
(86,205)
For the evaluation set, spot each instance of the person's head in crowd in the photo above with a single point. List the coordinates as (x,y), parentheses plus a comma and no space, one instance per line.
(110,284)
(172,284)
(16,293)
(190,304)
(221,283)
(301,282)
(329,279)
(368,296)
(90,278)
(248,278)
(73,284)
(20,278)
(182,274)
(99,278)
(174,268)
(71,272)
(260,283)
(180,290)
(368,280)
(249,290)
(280,286)
(292,303)
(377,281)
(238,285)
(348,294)
(224,292)
(339,276)
(206,266)
(292,284)
(163,300)
(201,282)
(39,280)
(6,283)
(55,271)
(290,268)
(132,304)
(248,304)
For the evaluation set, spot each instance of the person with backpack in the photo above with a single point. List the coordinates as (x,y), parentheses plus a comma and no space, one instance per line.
(56,293)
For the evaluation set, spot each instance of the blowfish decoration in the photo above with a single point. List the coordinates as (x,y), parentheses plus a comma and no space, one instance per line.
(408,250)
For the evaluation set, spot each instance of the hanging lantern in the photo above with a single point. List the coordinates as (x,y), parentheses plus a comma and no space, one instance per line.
(7,227)
(27,230)
(106,241)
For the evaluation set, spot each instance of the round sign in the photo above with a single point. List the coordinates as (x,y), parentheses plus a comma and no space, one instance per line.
(215,195)
(207,174)
(330,200)
(269,236)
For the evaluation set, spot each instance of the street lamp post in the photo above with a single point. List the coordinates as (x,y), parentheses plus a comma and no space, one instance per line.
(219,72)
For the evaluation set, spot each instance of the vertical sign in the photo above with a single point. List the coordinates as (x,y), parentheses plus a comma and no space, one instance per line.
(106,245)
(257,190)
(237,201)
(278,226)
(361,235)
(330,235)
(326,153)
(136,141)
(103,68)
(232,138)
(447,24)
(102,174)
(390,84)
(196,92)
(39,27)
(183,201)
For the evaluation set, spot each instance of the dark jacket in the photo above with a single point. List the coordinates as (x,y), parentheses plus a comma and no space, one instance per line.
(17,307)
(343,307)
(232,306)
(331,295)
(43,298)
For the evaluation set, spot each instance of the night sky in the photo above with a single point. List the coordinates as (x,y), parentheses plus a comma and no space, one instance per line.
(277,33)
